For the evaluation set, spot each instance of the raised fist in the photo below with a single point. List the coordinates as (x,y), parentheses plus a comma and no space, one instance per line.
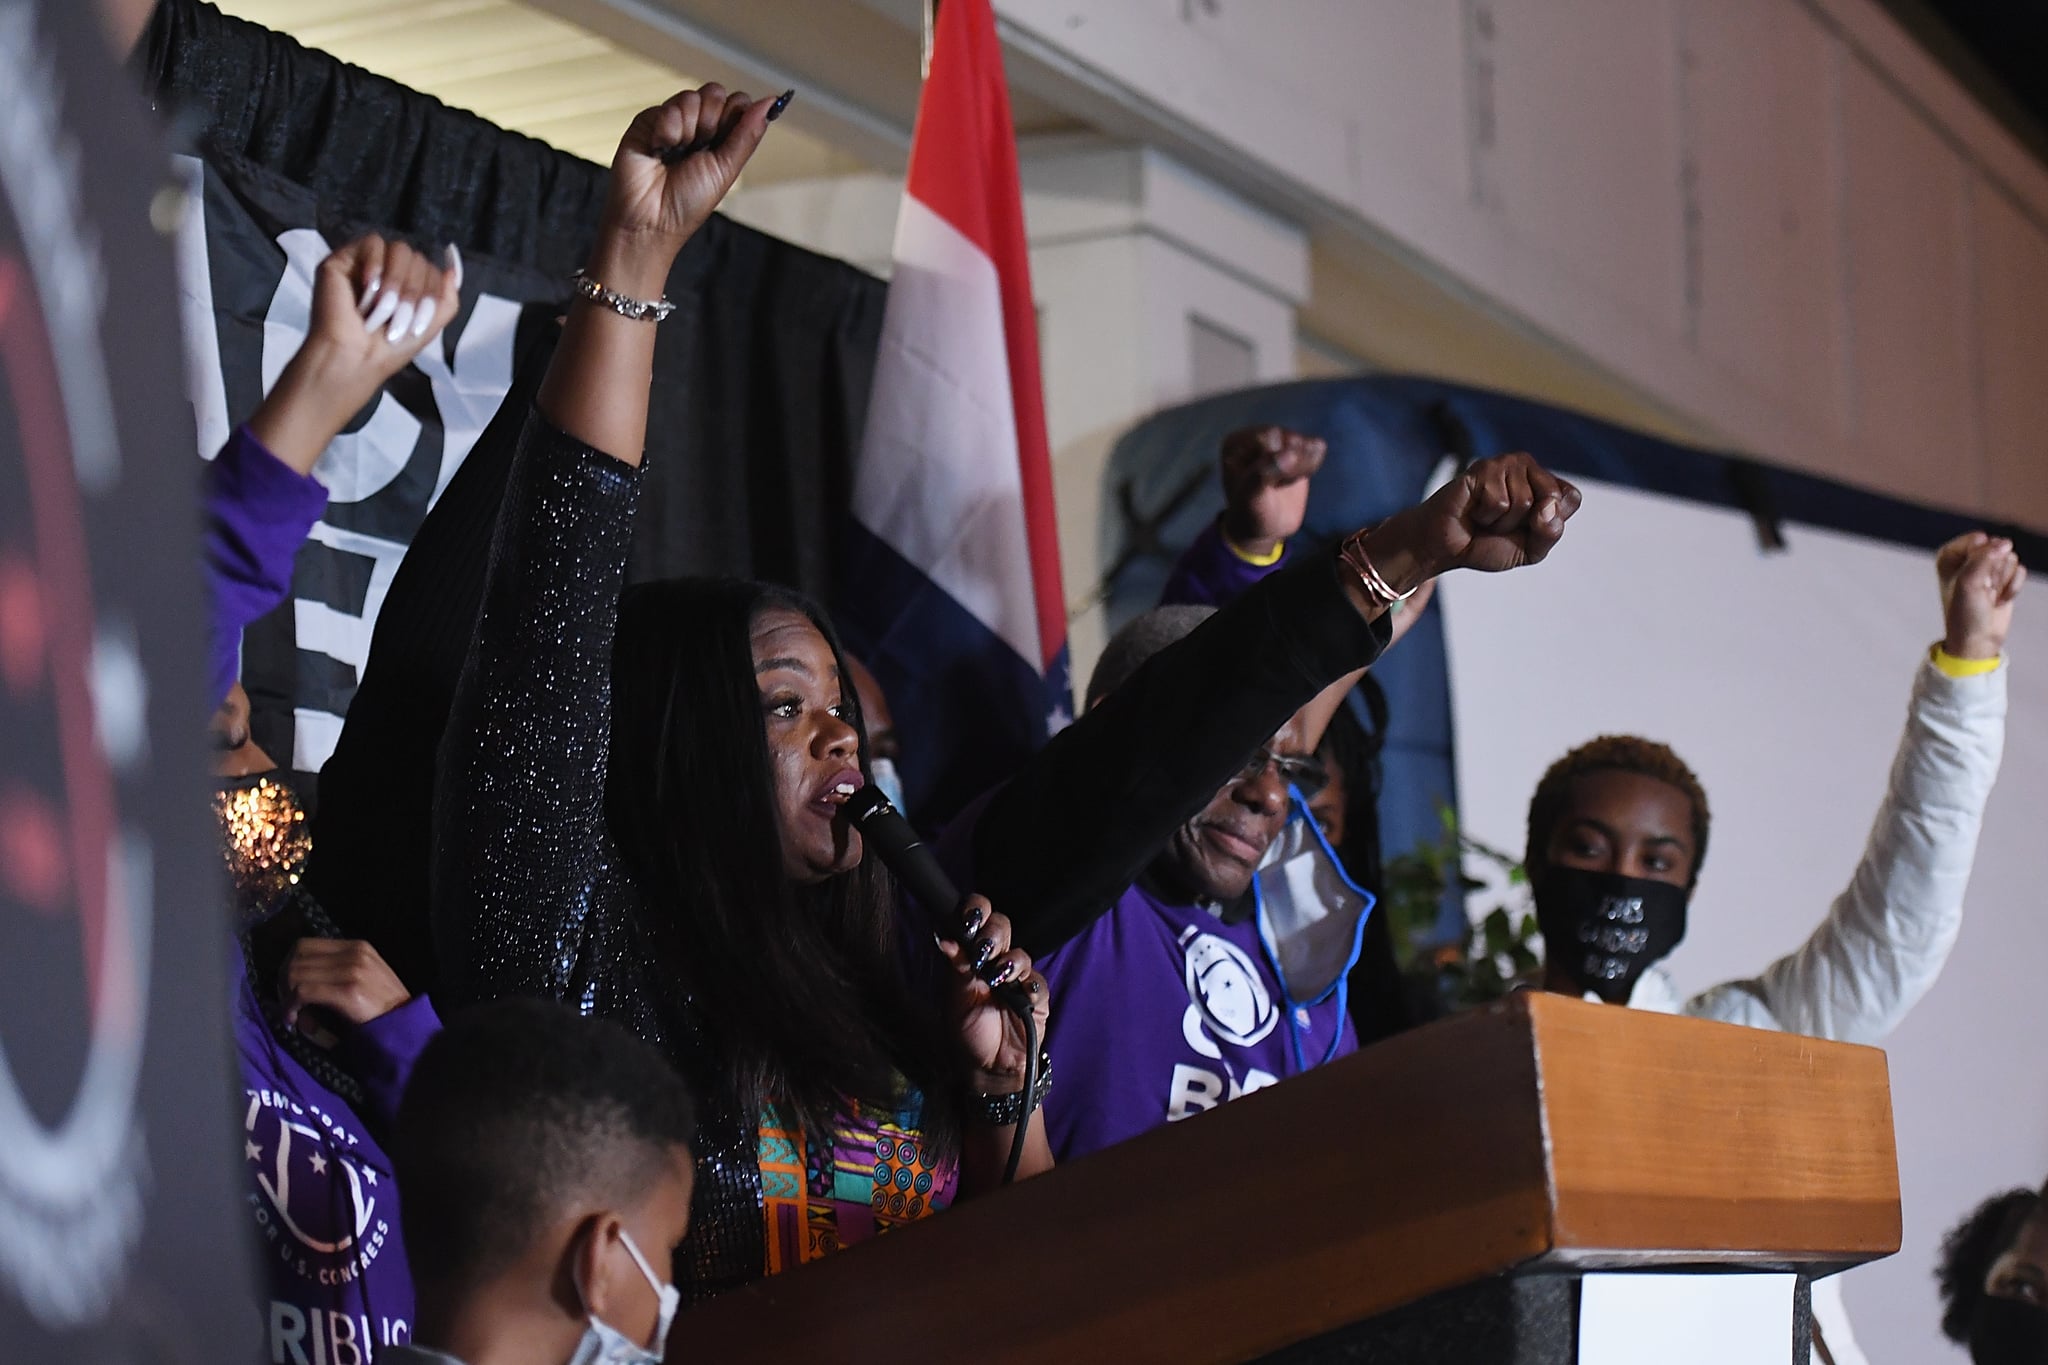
(376,305)
(1981,577)
(678,160)
(1499,514)
(1265,484)
(379,303)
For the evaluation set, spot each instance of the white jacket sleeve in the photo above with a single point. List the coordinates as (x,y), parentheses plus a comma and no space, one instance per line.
(1886,937)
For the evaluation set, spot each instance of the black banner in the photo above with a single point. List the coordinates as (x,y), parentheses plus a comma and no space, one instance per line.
(761,376)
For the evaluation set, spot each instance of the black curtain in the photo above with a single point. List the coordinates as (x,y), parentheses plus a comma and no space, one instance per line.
(760,388)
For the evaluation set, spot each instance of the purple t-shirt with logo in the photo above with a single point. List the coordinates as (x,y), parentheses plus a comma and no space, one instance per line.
(1161,1012)
(319,1192)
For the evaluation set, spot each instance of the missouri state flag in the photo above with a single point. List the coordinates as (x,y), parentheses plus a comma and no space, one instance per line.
(952,593)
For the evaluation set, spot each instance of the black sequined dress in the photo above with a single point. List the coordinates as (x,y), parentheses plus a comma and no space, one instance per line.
(530,896)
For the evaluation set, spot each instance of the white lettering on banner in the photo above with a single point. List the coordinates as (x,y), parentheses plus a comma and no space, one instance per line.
(1194,1090)
(358,465)
(467,393)
(203,371)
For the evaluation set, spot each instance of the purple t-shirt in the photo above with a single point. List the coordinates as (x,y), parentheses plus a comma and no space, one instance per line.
(1164,1011)
(1209,573)
(320,1197)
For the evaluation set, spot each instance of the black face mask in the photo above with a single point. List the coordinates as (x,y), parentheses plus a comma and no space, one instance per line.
(1603,929)
(2008,1332)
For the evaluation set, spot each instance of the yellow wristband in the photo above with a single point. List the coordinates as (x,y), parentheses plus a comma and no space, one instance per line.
(1264,561)
(1961,668)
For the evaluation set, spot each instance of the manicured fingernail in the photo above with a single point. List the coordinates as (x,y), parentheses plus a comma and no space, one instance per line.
(983,951)
(975,918)
(781,103)
(424,318)
(381,314)
(400,321)
(1002,977)
(370,288)
(455,263)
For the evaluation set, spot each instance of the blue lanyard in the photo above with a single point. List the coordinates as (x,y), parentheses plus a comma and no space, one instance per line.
(1341,987)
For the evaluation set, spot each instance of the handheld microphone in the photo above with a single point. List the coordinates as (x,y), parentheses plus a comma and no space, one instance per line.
(883,828)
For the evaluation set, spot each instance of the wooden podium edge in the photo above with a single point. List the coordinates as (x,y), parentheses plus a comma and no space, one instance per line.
(1802,1167)
(1517,1137)
(1169,1247)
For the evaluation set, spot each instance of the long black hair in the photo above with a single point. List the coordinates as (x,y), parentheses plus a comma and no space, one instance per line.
(808,996)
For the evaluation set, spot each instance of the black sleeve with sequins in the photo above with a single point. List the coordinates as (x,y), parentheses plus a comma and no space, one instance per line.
(522,858)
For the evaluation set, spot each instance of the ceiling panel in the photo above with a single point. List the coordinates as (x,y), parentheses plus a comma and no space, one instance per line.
(519,67)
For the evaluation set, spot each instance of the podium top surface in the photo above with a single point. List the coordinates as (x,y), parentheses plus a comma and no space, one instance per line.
(1540,1132)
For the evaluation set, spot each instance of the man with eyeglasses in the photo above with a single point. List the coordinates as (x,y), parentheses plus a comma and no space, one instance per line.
(1177,1001)
(1223,968)
(1130,847)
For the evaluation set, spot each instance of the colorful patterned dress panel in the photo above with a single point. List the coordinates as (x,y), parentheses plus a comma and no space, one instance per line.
(875,1175)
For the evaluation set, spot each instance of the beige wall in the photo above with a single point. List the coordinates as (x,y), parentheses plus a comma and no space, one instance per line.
(1771,222)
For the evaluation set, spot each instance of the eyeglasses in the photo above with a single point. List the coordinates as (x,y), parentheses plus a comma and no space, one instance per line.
(1303,771)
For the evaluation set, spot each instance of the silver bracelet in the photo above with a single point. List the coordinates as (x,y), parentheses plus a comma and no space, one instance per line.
(1000,1111)
(640,310)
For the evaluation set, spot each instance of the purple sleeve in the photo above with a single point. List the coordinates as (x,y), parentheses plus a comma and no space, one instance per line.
(380,1053)
(1210,573)
(258,511)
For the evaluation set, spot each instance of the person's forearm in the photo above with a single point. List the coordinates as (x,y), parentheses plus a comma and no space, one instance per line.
(596,387)
(306,409)
(1317,714)
(255,515)
(985,1155)
(1107,792)
(1885,938)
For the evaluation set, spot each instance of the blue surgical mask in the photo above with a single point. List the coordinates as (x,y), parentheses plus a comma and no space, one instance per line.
(603,1344)
(1311,921)
(882,772)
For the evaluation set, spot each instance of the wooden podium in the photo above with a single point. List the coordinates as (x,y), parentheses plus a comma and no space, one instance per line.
(1529,1142)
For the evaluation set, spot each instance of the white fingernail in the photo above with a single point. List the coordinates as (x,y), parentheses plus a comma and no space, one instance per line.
(381,314)
(369,297)
(424,318)
(400,321)
(455,264)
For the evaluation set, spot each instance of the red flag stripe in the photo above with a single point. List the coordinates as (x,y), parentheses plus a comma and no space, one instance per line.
(963,166)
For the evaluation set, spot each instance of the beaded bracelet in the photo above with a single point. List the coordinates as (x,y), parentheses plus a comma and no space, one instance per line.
(1000,1111)
(639,310)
